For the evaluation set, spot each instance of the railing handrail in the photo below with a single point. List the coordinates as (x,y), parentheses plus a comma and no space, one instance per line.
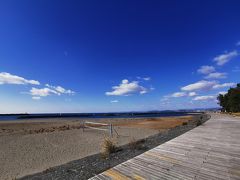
(110,127)
(103,124)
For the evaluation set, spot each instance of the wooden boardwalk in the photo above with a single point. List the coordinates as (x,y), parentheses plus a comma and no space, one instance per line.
(209,152)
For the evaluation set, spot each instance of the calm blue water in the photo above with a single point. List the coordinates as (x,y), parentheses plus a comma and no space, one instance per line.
(7,117)
(90,115)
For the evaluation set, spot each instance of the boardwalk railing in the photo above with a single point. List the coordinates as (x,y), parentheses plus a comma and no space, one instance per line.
(100,126)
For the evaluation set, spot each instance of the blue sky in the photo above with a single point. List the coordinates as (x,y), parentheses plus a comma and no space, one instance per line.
(103,56)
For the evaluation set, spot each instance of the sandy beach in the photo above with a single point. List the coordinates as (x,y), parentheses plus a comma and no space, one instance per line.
(31,146)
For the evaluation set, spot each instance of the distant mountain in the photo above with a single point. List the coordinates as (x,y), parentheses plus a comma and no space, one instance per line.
(199,109)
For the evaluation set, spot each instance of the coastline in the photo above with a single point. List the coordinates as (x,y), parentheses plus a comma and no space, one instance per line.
(89,166)
(35,146)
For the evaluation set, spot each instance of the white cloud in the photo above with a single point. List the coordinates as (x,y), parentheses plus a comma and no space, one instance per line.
(60,89)
(127,88)
(178,94)
(147,78)
(182,94)
(125,81)
(37,93)
(43,92)
(191,94)
(206,85)
(144,78)
(7,78)
(114,101)
(216,75)
(143,92)
(236,69)
(206,69)
(217,86)
(36,98)
(222,92)
(199,86)
(224,58)
(204,98)
(238,43)
(164,98)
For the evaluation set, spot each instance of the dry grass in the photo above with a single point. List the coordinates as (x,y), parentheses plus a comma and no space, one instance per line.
(236,114)
(199,122)
(156,123)
(36,127)
(136,144)
(184,123)
(108,146)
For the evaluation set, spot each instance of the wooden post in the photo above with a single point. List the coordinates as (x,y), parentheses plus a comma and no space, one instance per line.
(110,130)
(83,125)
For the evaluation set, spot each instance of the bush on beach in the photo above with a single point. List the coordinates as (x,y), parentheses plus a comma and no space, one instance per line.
(199,121)
(184,123)
(108,146)
(136,144)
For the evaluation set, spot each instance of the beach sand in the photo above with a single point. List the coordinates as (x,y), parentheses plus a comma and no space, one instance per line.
(30,146)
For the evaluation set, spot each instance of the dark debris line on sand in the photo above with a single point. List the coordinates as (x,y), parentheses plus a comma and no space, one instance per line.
(89,166)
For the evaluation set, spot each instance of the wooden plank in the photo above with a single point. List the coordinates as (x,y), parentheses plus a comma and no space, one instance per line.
(208,152)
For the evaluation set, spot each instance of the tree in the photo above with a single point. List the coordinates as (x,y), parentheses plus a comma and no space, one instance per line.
(230,102)
(220,99)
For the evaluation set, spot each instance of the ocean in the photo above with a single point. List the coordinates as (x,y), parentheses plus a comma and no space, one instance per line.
(9,117)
